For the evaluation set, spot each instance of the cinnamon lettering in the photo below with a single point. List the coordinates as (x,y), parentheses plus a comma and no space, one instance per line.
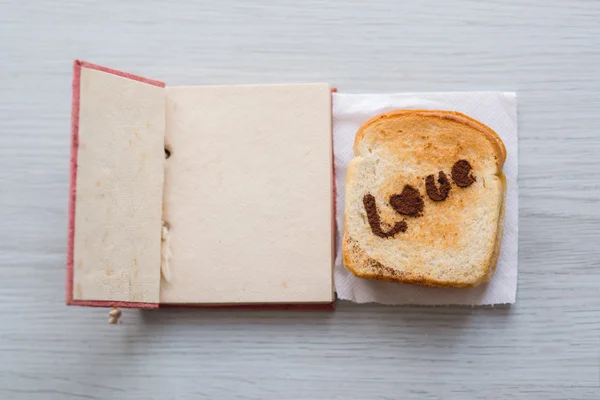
(433,192)
(461,174)
(375,222)
(410,202)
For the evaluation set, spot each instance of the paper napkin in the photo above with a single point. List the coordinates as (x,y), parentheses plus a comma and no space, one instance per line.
(497,110)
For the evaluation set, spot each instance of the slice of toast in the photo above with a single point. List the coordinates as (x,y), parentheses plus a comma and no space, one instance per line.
(424,200)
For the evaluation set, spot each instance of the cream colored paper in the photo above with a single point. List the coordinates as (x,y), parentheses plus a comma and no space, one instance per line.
(248,194)
(119,189)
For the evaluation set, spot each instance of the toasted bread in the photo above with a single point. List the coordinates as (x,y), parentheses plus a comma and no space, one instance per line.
(424,200)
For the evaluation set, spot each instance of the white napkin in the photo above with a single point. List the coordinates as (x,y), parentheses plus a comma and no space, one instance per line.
(498,110)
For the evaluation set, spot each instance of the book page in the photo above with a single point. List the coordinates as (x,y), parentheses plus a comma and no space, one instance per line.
(119,148)
(248,194)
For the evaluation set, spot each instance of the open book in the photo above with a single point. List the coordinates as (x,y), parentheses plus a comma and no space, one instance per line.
(199,195)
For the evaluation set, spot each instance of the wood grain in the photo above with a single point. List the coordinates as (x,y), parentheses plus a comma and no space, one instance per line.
(547,346)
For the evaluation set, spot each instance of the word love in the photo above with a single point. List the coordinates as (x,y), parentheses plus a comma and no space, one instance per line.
(410,202)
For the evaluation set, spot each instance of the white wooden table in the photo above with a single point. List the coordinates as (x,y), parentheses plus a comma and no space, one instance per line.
(547,346)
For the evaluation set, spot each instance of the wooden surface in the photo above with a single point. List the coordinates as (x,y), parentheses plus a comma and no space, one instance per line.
(547,346)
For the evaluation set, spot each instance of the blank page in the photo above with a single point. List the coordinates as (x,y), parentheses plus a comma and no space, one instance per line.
(118,183)
(248,194)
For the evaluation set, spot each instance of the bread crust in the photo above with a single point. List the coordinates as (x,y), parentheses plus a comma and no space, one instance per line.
(357,261)
(451,115)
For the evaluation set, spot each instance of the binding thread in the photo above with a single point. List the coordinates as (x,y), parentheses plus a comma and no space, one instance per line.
(165,253)
(113,315)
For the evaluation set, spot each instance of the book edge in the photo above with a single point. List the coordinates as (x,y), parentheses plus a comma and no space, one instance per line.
(75,106)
